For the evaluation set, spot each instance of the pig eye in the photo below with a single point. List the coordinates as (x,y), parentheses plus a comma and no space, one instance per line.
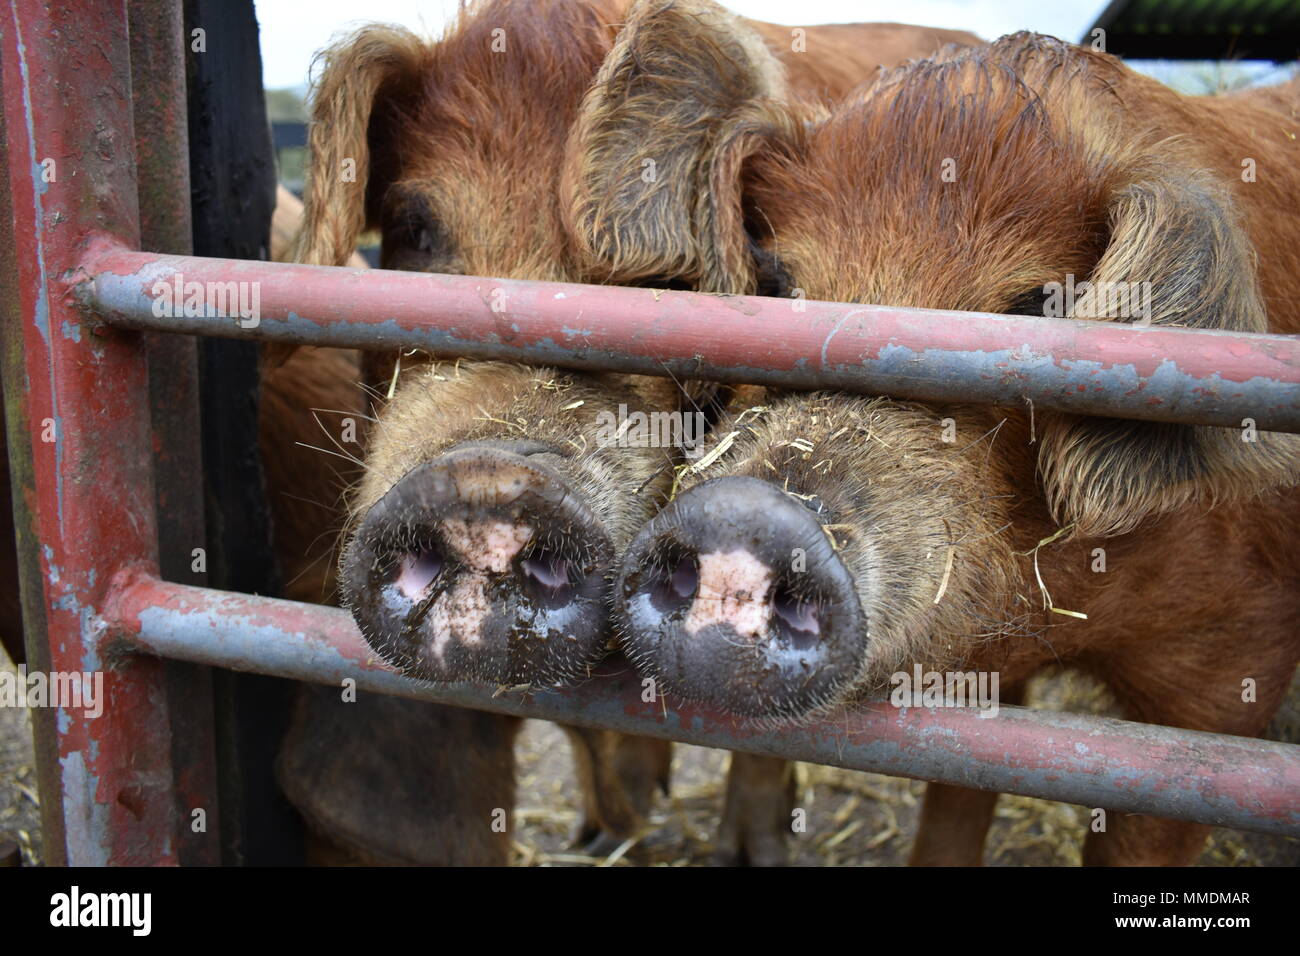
(414,240)
(665,282)
(417,230)
(1027,303)
(773,278)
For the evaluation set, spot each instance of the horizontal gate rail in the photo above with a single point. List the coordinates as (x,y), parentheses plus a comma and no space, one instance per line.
(1095,368)
(1093,761)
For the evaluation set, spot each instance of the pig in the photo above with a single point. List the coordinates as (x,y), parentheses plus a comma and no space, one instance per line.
(838,540)
(490,513)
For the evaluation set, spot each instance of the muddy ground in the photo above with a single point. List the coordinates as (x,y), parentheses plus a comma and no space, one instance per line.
(854,819)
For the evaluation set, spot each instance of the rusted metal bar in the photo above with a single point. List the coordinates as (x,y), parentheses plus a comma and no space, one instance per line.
(1095,368)
(163,187)
(1093,761)
(105,781)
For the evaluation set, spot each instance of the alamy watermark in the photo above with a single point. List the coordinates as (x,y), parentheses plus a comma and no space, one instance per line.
(945,689)
(1097,300)
(68,690)
(75,908)
(684,430)
(191,300)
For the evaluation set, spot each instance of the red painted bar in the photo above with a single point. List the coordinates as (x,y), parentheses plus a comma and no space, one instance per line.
(1093,761)
(1095,368)
(106,782)
(158,48)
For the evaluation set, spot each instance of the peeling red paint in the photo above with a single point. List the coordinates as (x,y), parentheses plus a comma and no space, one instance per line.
(105,782)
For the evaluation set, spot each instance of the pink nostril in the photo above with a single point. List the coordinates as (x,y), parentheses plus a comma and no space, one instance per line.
(417,571)
(551,573)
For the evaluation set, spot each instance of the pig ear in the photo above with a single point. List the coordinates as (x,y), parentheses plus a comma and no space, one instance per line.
(652,177)
(1176,245)
(363,84)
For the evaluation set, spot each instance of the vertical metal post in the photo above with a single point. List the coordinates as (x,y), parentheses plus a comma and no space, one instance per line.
(163,186)
(84,459)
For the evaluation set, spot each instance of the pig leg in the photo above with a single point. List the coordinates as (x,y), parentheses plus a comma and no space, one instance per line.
(954,822)
(756,814)
(1133,840)
(618,775)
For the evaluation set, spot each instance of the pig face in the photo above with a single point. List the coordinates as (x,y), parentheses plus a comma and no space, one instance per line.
(823,556)
(452,149)
(489,515)
(837,539)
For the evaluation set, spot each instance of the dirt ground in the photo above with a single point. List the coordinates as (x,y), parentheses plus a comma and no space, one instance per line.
(854,819)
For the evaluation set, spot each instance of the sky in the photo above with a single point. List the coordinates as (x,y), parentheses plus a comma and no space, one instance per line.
(293,30)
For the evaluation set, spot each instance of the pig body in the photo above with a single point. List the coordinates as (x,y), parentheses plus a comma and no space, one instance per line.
(838,540)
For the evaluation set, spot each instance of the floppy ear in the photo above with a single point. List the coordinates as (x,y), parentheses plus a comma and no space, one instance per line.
(653,170)
(363,85)
(1176,244)
(365,82)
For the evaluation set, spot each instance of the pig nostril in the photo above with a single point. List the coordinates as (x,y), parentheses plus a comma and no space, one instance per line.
(675,588)
(685,579)
(417,570)
(796,620)
(547,577)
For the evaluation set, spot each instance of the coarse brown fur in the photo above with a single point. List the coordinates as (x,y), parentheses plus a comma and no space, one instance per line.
(454,150)
(451,402)
(1063,162)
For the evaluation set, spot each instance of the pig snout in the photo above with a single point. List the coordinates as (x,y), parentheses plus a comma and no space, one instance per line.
(484,564)
(733,596)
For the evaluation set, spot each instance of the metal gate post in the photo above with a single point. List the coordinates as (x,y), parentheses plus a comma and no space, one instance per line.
(158,46)
(106,781)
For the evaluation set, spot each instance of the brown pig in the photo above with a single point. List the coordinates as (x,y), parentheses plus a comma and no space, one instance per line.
(838,540)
